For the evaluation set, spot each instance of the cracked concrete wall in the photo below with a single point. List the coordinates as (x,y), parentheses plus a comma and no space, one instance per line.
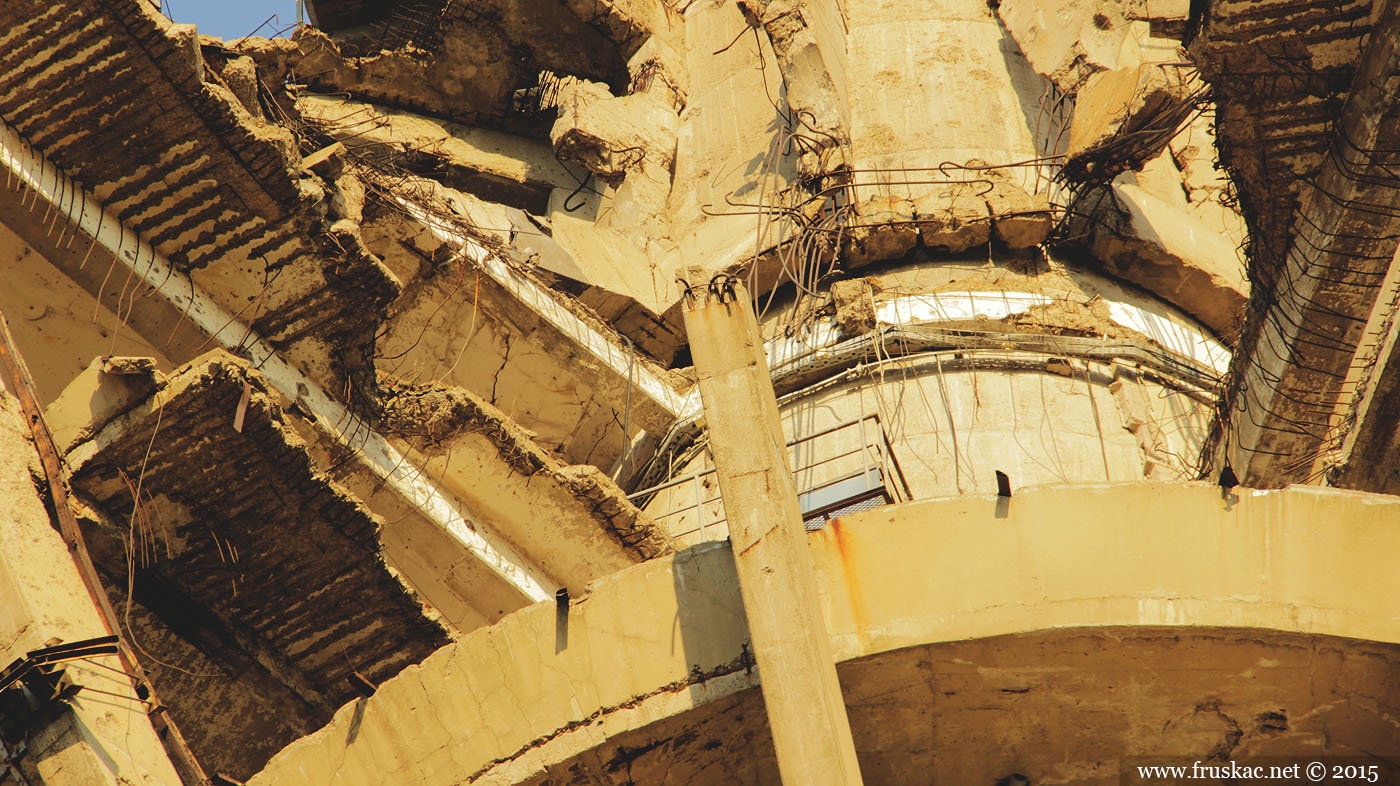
(666,636)
(455,325)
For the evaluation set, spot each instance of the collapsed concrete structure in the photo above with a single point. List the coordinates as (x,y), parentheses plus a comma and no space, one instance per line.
(352,386)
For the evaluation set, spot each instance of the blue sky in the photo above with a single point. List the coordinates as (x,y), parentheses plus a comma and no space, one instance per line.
(232,19)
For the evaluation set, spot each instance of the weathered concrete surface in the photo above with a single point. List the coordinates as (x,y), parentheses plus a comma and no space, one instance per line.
(571,521)
(1056,706)
(50,316)
(1068,41)
(806,714)
(809,38)
(661,638)
(96,740)
(494,165)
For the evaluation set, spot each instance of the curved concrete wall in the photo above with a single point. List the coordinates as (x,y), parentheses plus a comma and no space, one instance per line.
(670,635)
(1054,390)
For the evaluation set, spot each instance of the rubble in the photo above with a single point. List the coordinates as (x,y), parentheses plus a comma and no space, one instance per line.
(610,136)
(953,220)
(1159,244)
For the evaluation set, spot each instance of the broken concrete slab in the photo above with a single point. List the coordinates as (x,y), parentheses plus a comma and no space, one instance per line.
(494,165)
(953,220)
(108,387)
(1067,40)
(1165,249)
(1020,219)
(611,136)
(254,534)
(1166,17)
(1126,116)
(572,521)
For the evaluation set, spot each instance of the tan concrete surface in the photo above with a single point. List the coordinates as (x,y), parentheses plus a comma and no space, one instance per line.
(101,739)
(806,713)
(1303,561)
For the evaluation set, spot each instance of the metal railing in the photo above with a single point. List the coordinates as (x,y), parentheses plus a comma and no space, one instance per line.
(830,480)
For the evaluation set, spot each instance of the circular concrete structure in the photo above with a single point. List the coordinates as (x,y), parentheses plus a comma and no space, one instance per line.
(1058,634)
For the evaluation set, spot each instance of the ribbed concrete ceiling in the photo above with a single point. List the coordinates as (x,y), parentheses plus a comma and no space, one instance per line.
(246,528)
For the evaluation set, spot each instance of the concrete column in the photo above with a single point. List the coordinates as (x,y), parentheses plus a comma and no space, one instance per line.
(104,736)
(790,641)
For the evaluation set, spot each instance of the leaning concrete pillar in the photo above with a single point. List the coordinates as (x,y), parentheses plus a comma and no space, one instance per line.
(790,641)
(102,735)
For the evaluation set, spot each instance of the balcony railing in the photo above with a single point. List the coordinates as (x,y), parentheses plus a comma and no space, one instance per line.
(837,470)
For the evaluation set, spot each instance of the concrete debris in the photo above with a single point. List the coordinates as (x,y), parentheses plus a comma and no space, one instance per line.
(808,36)
(1156,243)
(1020,219)
(658,66)
(611,136)
(854,301)
(494,165)
(471,78)
(1166,17)
(107,388)
(1068,41)
(1126,116)
(240,74)
(886,230)
(953,220)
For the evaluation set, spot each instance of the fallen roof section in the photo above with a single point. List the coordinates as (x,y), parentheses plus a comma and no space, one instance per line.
(1325,239)
(247,528)
(177,166)
(431,507)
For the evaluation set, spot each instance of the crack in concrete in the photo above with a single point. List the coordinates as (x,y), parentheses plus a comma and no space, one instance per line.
(505,358)
(695,678)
